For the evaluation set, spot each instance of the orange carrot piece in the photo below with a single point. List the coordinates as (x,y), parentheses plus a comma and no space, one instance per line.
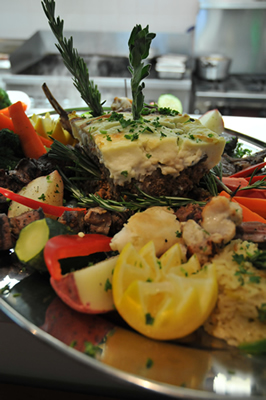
(6,122)
(252,209)
(5,111)
(46,142)
(31,143)
(254,204)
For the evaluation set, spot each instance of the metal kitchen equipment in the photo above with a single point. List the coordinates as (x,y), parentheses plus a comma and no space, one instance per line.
(214,67)
(236,30)
(239,95)
(106,54)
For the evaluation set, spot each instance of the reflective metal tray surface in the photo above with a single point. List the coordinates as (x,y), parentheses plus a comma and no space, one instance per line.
(198,367)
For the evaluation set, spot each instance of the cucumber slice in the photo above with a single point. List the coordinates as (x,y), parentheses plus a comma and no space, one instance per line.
(32,239)
(170,101)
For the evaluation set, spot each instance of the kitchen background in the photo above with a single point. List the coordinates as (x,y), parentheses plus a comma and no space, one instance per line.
(209,53)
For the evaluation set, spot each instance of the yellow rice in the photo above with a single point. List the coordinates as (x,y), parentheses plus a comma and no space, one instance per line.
(235,317)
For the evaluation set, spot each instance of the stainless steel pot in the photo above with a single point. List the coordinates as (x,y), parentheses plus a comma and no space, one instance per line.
(213,67)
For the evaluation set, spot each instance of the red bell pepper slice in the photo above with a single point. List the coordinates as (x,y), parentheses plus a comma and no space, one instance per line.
(252,193)
(66,246)
(57,211)
(248,171)
(257,178)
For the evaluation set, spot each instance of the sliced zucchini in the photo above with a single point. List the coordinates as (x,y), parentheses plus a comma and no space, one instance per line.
(32,239)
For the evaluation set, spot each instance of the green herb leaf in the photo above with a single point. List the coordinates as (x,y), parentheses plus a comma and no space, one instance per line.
(74,63)
(139,47)
(258,347)
(262,313)
(91,349)
(149,319)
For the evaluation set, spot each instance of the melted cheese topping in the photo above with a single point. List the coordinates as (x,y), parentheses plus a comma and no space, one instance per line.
(134,149)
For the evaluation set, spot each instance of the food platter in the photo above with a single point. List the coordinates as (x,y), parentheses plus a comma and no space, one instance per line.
(197,367)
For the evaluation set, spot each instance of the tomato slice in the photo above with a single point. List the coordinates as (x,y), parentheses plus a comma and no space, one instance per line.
(164,298)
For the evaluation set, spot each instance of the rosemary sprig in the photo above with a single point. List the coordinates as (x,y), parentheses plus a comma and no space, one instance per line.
(74,63)
(139,45)
(216,173)
(128,201)
(81,160)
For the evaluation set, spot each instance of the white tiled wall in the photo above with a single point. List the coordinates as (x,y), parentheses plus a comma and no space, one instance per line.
(21,19)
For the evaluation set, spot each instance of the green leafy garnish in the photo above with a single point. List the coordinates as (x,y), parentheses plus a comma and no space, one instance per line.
(74,63)
(262,313)
(258,347)
(149,319)
(139,46)
(91,349)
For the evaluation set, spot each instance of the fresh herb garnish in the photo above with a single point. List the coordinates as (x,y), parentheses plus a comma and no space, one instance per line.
(108,285)
(74,63)
(139,46)
(149,363)
(258,347)
(149,320)
(262,313)
(83,163)
(91,349)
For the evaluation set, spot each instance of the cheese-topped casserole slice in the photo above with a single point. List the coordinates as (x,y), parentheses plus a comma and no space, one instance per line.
(134,149)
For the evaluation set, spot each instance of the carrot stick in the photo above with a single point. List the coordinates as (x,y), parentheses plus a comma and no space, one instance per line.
(6,122)
(46,142)
(31,143)
(256,205)
(5,111)
(249,207)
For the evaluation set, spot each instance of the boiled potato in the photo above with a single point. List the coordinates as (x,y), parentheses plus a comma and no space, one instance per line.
(47,189)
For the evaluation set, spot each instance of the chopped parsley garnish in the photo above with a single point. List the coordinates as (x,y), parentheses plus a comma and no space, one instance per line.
(262,313)
(124,173)
(42,197)
(168,111)
(108,285)
(240,259)
(178,234)
(5,289)
(149,320)
(254,279)
(149,363)
(132,137)
(91,349)
(184,271)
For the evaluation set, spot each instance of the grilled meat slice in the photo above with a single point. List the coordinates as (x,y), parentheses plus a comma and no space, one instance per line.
(98,220)
(253,231)
(11,227)
(6,240)
(190,211)
(73,219)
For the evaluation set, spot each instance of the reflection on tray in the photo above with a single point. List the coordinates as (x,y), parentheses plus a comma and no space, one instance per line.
(197,362)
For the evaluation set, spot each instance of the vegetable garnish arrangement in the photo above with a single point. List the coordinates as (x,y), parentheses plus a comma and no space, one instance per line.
(182,242)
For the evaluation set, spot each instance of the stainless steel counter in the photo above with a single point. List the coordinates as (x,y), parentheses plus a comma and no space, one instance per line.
(68,96)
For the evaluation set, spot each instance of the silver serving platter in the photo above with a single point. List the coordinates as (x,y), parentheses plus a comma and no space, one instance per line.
(197,367)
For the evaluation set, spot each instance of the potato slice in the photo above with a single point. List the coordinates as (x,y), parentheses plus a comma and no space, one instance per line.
(48,189)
